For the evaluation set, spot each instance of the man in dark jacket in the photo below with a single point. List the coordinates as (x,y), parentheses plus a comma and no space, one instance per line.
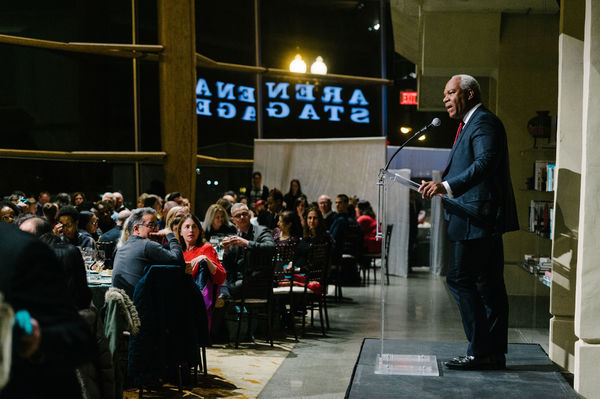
(477,178)
(54,339)
(249,252)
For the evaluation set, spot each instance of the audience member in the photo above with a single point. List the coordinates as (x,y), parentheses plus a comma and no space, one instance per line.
(290,197)
(225,204)
(139,252)
(141,199)
(50,212)
(43,198)
(63,199)
(203,259)
(286,233)
(216,222)
(104,211)
(165,211)
(248,252)
(88,225)
(78,198)
(66,228)
(175,197)
(50,340)
(314,233)
(258,191)
(113,234)
(8,212)
(35,225)
(325,208)
(230,196)
(366,219)
(119,204)
(274,207)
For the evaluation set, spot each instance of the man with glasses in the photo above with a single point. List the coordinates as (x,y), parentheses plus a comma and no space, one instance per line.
(249,251)
(140,252)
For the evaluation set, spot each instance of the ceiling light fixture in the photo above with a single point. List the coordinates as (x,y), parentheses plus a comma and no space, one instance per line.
(298,65)
(318,67)
(405,129)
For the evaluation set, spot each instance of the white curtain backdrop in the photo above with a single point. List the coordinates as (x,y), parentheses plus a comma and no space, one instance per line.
(397,204)
(323,166)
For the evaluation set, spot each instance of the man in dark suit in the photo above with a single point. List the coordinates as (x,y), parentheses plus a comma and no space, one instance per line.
(249,252)
(52,339)
(477,177)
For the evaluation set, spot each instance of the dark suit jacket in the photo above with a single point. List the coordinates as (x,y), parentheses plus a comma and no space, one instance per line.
(479,177)
(252,259)
(31,279)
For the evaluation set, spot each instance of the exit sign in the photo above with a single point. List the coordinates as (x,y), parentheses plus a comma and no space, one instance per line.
(408,98)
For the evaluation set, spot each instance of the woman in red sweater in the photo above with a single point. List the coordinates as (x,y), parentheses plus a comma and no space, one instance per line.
(207,270)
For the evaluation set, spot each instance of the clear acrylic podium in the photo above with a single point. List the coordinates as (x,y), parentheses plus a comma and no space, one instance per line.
(393,363)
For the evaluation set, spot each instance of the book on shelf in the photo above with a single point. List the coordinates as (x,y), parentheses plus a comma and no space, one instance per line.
(550,178)
(541,215)
(543,175)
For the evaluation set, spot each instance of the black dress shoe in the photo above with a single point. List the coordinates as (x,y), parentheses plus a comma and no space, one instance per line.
(476,363)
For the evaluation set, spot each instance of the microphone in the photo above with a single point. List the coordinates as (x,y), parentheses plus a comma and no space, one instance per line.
(434,123)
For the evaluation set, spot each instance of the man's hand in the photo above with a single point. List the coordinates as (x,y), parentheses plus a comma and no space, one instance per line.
(234,241)
(161,233)
(57,230)
(430,188)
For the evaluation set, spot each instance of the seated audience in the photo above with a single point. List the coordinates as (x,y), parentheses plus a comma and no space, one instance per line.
(104,211)
(119,205)
(8,212)
(366,219)
(257,190)
(290,197)
(66,228)
(50,212)
(78,198)
(35,225)
(202,257)
(216,222)
(284,233)
(113,234)
(175,197)
(314,233)
(139,252)
(249,252)
(43,198)
(274,208)
(88,224)
(325,208)
(50,339)
(64,199)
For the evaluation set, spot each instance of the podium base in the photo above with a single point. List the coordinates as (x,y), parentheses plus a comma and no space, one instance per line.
(396,364)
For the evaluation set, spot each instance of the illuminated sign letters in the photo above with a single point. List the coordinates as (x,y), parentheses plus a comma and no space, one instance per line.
(334,104)
(408,98)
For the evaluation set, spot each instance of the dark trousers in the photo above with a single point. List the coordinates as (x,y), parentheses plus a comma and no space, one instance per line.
(476,280)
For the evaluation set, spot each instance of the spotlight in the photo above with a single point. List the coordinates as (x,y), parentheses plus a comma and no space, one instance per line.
(405,129)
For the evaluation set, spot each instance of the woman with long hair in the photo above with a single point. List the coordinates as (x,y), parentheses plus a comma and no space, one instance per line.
(206,268)
(216,222)
(290,197)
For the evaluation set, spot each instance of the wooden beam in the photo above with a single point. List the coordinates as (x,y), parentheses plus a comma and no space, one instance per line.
(145,51)
(177,84)
(85,156)
(205,160)
(205,62)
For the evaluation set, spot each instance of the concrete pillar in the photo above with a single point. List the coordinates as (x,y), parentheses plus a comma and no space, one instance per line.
(587,300)
(568,182)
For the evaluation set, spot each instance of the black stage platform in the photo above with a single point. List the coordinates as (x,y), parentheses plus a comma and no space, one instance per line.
(529,374)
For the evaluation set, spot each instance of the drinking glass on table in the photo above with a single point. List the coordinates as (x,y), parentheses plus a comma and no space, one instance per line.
(89,258)
(100,258)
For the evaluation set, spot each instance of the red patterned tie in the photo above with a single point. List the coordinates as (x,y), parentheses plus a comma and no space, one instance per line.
(460,126)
